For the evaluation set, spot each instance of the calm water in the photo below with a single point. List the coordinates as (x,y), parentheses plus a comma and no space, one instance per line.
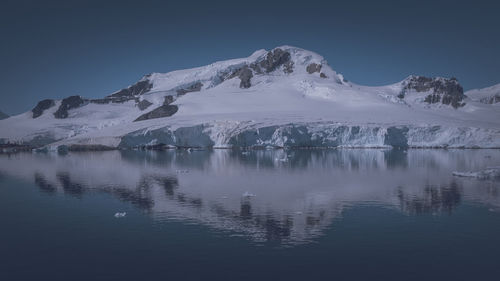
(257,215)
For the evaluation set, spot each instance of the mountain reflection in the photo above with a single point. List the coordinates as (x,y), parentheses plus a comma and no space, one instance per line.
(283,196)
(433,199)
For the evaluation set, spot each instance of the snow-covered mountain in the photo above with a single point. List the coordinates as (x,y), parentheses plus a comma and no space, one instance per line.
(490,95)
(280,98)
(3,115)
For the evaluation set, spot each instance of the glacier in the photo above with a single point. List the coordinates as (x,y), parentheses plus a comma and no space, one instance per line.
(285,97)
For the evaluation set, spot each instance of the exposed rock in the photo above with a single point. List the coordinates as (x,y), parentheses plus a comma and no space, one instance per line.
(196,87)
(114,99)
(433,98)
(143,104)
(165,110)
(322,75)
(101,101)
(313,67)
(275,59)
(168,100)
(67,104)
(491,100)
(288,67)
(256,68)
(245,74)
(138,88)
(446,91)
(42,106)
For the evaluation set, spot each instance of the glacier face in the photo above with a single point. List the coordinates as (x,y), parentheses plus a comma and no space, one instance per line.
(321,135)
(286,97)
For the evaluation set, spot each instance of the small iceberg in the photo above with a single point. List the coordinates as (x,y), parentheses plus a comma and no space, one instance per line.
(248,194)
(490,173)
(283,159)
(120,214)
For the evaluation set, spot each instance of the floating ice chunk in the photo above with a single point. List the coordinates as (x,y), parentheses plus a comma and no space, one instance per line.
(245,153)
(120,214)
(248,194)
(490,173)
(182,171)
(298,213)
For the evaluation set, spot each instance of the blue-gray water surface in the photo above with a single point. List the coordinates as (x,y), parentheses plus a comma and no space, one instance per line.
(249,215)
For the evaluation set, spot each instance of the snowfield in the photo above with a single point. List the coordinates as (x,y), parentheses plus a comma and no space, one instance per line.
(287,97)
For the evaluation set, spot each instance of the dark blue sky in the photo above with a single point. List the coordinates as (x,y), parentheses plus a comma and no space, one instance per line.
(53,49)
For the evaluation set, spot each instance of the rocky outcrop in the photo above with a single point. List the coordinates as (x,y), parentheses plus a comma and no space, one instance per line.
(441,90)
(245,74)
(313,67)
(491,100)
(288,67)
(67,104)
(42,106)
(143,104)
(137,89)
(166,110)
(275,59)
(195,87)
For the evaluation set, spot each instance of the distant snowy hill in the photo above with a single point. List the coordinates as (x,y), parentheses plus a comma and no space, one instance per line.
(3,115)
(286,97)
(490,95)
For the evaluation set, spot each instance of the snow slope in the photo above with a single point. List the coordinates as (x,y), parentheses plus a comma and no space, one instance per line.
(285,97)
(490,95)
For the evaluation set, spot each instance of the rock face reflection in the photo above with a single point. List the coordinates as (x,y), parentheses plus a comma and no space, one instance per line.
(282,196)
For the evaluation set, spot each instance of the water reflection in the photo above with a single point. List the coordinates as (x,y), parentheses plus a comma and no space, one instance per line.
(284,196)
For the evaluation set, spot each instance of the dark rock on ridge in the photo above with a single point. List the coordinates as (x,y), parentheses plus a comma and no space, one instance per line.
(491,100)
(288,67)
(143,104)
(446,91)
(313,67)
(42,106)
(275,59)
(67,104)
(196,87)
(166,110)
(138,88)
(245,74)
(168,100)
